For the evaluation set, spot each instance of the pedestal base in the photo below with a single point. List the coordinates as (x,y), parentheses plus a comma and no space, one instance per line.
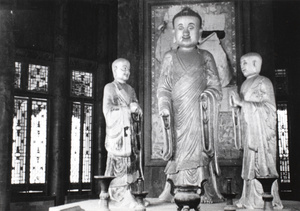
(155,205)
(230,208)
(268,198)
(229,201)
(139,196)
(187,199)
(104,201)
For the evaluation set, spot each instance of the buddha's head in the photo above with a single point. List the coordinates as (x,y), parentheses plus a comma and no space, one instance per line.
(187,28)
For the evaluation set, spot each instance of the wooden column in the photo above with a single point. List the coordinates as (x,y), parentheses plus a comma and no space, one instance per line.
(59,149)
(253,17)
(262,37)
(128,38)
(7,54)
(100,154)
(106,53)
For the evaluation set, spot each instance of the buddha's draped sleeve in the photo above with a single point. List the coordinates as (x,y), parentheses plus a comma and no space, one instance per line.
(165,83)
(164,95)
(212,76)
(209,104)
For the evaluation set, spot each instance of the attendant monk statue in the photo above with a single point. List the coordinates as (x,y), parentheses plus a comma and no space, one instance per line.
(258,125)
(189,93)
(121,109)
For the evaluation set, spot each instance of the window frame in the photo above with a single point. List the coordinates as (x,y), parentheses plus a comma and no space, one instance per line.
(24,92)
(282,94)
(80,187)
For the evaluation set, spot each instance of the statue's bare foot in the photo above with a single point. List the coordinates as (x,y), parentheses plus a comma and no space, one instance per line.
(166,194)
(185,208)
(146,203)
(128,200)
(205,199)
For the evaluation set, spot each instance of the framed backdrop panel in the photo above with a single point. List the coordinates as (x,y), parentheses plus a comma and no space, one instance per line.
(219,34)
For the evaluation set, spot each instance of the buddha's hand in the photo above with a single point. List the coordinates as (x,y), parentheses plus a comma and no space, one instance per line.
(204,101)
(165,115)
(164,112)
(167,147)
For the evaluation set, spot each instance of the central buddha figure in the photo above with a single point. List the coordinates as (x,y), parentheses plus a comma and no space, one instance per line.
(189,94)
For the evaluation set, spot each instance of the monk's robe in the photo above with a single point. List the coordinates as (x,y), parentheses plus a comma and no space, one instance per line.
(120,141)
(258,124)
(180,87)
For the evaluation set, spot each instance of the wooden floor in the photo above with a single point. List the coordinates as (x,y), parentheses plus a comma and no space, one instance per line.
(155,204)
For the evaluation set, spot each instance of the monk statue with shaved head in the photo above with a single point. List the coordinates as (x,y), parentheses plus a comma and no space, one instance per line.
(121,109)
(256,102)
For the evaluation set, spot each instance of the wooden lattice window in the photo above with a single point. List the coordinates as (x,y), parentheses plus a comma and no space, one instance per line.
(282,94)
(283,143)
(30,120)
(81,130)
(82,84)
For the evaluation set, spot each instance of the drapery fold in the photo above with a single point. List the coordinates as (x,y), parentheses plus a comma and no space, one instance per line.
(179,90)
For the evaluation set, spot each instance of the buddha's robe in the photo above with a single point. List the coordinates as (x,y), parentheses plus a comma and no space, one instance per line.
(120,141)
(180,87)
(258,121)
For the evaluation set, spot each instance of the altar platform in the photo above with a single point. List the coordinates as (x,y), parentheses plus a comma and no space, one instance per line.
(156,205)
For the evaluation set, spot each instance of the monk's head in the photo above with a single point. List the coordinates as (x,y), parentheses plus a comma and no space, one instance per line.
(121,70)
(251,64)
(187,28)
